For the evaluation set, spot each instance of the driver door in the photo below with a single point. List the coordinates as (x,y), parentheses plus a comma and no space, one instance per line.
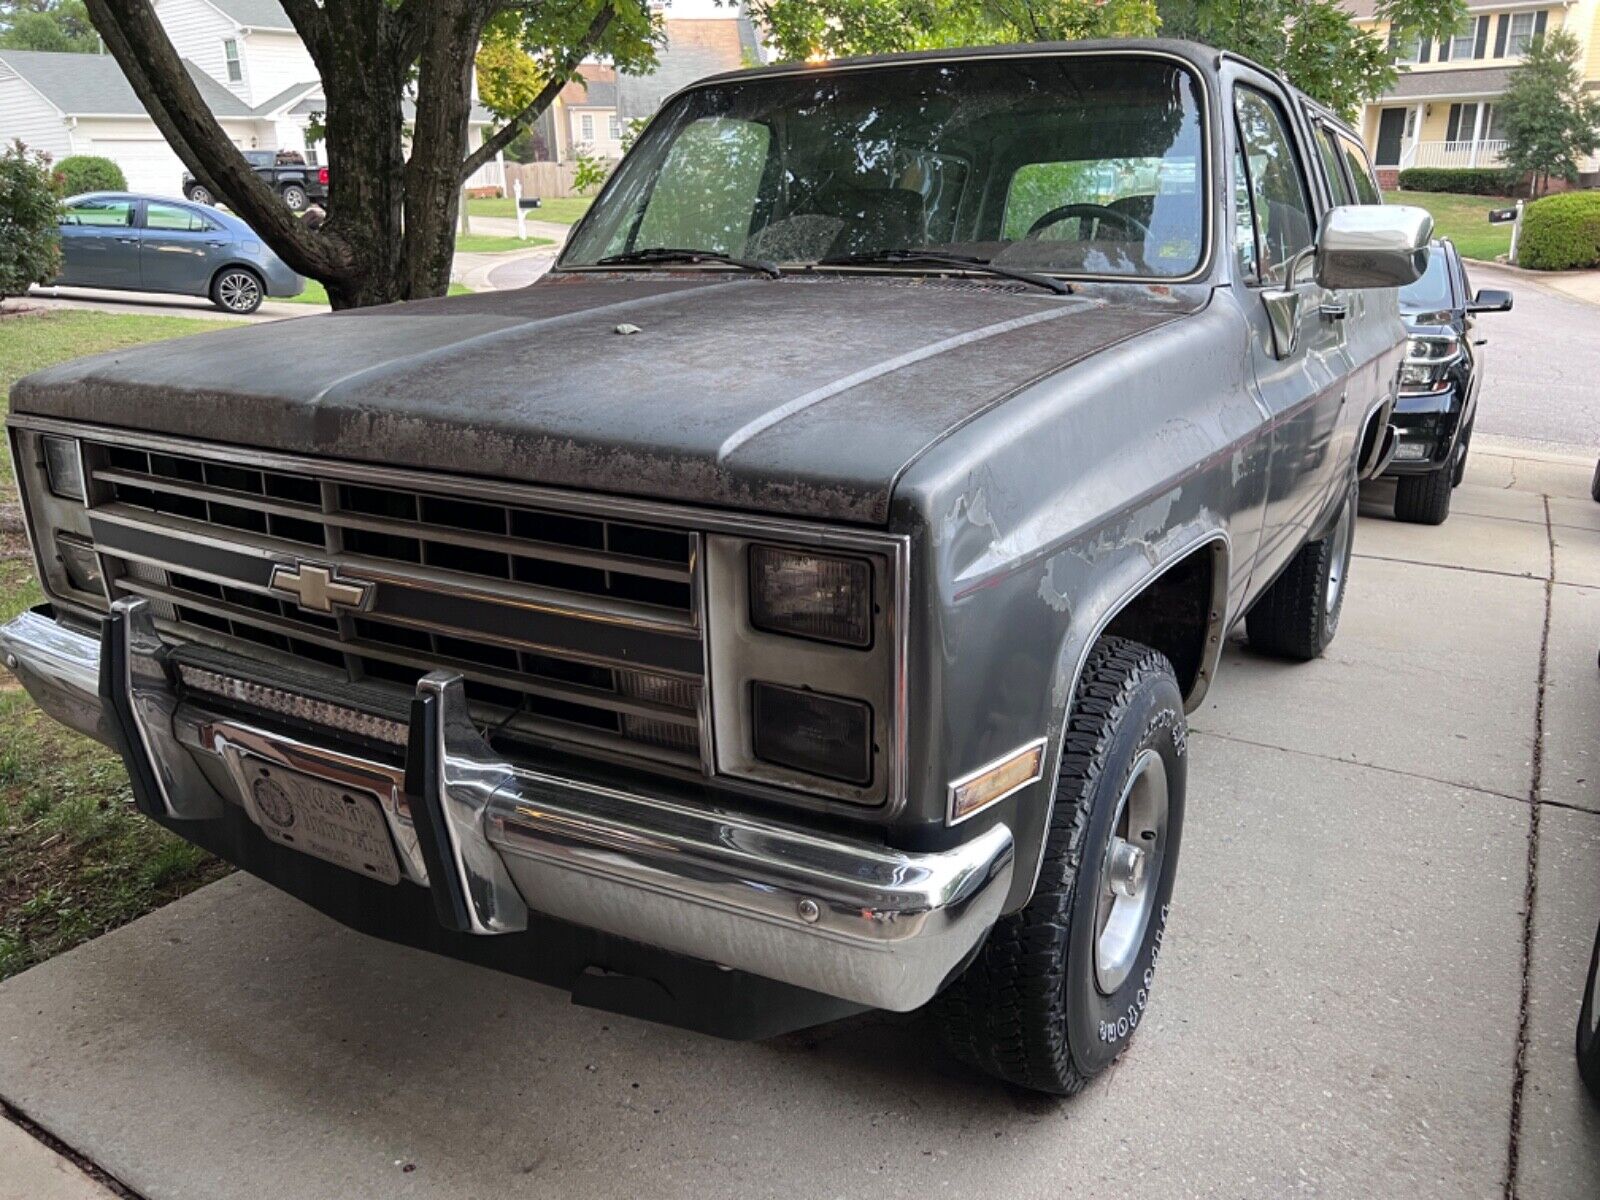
(1297,347)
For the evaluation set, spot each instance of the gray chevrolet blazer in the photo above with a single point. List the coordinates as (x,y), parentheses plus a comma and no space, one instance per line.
(791,604)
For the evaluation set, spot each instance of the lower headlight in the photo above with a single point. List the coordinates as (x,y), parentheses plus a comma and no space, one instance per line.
(830,736)
(81,564)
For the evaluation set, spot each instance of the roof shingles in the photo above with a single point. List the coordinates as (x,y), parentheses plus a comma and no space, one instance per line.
(83,85)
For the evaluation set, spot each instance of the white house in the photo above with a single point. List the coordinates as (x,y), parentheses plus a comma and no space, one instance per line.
(249,65)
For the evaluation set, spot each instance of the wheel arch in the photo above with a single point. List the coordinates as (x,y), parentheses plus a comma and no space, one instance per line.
(1183,600)
(236,264)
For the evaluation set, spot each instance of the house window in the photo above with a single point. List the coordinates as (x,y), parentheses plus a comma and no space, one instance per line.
(230,51)
(1521,34)
(614,127)
(1493,128)
(1463,119)
(1407,50)
(586,127)
(1462,44)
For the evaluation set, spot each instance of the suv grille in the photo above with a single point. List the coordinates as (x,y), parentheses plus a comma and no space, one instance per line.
(567,627)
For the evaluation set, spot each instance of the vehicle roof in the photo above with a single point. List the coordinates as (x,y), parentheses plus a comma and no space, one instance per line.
(1206,59)
(231,220)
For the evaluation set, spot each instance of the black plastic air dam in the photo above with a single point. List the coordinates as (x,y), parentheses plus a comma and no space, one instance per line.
(599,970)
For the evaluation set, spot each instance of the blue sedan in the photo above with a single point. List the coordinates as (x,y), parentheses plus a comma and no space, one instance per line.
(146,244)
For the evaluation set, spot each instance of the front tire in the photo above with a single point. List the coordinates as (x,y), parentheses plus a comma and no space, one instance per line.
(1298,615)
(1424,499)
(237,290)
(1058,989)
(294,198)
(1589,1026)
(200,194)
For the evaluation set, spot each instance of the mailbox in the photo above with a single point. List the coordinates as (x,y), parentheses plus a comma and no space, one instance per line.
(1500,216)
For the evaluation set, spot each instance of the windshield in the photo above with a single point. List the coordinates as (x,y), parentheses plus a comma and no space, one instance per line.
(1064,165)
(1432,288)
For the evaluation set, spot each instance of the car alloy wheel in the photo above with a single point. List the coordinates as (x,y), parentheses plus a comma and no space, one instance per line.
(200,195)
(295,198)
(1132,865)
(239,292)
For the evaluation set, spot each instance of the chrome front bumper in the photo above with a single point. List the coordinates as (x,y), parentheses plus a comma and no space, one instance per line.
(493,840)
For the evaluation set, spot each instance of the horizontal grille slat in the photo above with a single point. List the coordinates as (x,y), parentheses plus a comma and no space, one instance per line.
(566,627)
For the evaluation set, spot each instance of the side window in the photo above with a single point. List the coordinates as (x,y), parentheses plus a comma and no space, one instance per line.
(1280,205)
(1331,164)
(99,212)
(1244,229)
(707,188)
(169,217)
(1366,186)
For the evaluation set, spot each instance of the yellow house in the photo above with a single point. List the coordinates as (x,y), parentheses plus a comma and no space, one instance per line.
(1441,112)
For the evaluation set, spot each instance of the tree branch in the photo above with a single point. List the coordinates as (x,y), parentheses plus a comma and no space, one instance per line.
(311,22)
(142,49)
(503,137)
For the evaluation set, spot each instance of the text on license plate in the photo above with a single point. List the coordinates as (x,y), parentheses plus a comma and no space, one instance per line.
(341,825)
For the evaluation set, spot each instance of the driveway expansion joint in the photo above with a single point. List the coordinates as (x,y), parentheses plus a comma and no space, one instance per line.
(1519,1075)
(10,1112)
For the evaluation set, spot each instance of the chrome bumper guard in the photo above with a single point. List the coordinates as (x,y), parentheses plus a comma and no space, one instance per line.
(492,840)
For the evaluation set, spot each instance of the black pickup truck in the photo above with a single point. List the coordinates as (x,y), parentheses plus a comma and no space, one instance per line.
(300,185)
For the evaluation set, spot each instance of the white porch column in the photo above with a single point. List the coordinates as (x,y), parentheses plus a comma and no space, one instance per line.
(1477,135)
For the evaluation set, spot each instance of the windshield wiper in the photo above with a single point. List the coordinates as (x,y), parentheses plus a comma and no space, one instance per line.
(673,254)
(969,261)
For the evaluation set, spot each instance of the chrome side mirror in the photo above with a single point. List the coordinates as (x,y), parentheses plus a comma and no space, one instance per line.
(1373,246)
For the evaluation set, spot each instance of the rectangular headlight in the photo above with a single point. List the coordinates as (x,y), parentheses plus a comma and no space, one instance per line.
(817,734)
(64,468)
(806,595)
(81,563)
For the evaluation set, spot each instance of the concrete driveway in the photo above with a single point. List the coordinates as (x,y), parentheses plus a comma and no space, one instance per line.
(1355,999)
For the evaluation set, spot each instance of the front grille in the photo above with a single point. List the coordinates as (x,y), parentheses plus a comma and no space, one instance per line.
(568,627)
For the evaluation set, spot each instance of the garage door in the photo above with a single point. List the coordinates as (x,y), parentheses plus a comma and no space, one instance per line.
(149,164)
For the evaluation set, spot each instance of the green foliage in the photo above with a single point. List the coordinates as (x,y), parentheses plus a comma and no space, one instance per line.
(1314,42)
(528,44)
(834,28)
(1462,181)
(59,25)
(30,243)
(1550,122)
(508,77)
(588,172)
(1560,233)
(88,173)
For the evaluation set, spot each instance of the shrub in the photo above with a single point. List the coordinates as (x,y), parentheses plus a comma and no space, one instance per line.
(86,173)
(30,243)
(1561,232)
(1463,181)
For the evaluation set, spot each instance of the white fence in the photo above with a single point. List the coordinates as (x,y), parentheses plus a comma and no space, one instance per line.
(1487,153)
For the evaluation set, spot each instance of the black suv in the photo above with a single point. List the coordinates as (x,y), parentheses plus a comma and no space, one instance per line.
(1438,385)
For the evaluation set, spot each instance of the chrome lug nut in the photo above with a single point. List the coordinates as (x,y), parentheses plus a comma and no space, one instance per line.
(1127,866)
(810,911)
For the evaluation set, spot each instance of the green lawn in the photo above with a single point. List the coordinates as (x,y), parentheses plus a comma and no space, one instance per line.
(75,858)
(1464,220)
(560,210)
(315,293)
(489,243)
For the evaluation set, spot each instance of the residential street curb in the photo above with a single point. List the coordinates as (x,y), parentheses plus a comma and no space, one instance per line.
(33,1171)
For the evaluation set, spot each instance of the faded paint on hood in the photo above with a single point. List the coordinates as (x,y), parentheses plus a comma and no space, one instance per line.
(802,396)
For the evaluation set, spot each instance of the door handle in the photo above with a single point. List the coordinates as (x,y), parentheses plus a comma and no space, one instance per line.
(216,245)
(127,241)
(1334,310)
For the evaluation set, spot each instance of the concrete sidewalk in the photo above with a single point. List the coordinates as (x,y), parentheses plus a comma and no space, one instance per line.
(1342,1007)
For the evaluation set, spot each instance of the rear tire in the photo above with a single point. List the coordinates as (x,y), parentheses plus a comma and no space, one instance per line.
(199,194)
(1058,989)
(294,198)
(1424,499)
(1589,1026)
(1298,615)
(237,290)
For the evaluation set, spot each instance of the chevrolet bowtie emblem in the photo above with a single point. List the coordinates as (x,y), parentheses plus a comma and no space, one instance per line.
(319,589)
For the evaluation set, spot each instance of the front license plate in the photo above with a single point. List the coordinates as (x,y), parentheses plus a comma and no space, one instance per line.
(343,825)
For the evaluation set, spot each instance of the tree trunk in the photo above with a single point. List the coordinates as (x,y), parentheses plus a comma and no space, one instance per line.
(438,144)
(365,142)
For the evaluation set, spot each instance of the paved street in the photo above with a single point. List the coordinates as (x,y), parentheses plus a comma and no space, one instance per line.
(1543,364)
(1339,1009)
